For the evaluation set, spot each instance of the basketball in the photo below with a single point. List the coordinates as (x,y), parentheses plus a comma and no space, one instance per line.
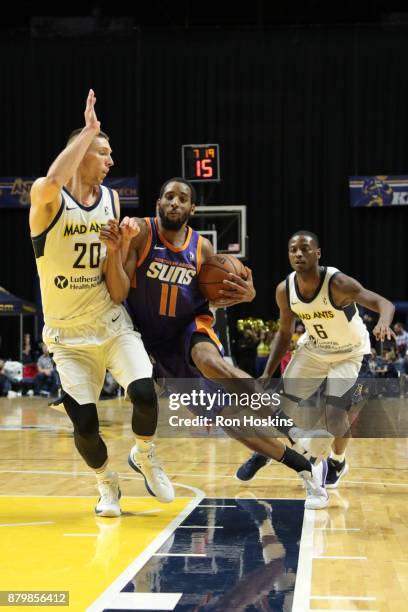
(214,271)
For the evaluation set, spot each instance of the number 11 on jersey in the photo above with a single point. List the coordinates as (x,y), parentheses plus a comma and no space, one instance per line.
(168,305)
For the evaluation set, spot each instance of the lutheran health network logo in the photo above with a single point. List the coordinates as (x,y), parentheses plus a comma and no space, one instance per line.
(77,282)
(61,282)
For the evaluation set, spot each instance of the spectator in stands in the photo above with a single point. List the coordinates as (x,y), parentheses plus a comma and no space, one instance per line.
(386,370)
(14,372)
(262,352)
(404,376)
(372,362)
(299,331)
(401,339)
(30,369)
(5,384)
(269,337)
(386,366)
(46,381)
(30,353)
(288,355)
(370,321)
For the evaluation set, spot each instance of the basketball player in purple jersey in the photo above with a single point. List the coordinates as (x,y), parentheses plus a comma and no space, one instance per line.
(159,280)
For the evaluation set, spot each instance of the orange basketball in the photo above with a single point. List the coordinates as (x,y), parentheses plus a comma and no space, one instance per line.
(214,271)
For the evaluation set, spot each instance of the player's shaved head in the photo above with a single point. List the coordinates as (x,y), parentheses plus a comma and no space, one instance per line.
(308,234)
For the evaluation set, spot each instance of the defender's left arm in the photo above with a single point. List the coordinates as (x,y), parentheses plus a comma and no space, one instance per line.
(345,290)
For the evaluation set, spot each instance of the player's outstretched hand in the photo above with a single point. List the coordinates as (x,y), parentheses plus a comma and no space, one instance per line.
(129,228)
(91,119)
(237,289)
(382,331)
(110,235)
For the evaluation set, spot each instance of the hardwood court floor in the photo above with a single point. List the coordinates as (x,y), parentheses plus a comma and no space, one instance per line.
(354,555)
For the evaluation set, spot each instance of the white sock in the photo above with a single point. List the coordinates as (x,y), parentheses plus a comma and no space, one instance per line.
(292,431)
(143,446)
(339,458)
(104,473)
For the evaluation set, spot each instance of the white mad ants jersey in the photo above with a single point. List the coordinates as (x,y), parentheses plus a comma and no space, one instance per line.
(69,256)
(329,330)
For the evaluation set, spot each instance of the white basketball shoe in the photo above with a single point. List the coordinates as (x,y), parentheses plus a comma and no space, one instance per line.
(156,480)
(316,494)
(109,491)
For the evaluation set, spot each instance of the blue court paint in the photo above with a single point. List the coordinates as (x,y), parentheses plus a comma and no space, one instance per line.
(249,565)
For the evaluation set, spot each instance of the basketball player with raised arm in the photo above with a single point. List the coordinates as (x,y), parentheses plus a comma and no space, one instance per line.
(84,329)
(159,280)
(333,346)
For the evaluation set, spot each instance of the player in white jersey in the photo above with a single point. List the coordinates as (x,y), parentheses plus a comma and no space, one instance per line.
(86,332)
(333,346)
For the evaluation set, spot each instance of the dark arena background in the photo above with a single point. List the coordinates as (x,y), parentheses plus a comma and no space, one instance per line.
(306,102)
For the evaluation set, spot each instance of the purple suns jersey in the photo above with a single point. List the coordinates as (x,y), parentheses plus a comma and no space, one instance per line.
(164,297)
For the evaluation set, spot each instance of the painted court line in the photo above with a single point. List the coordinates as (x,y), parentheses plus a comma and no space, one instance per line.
(146,601)
(337,529)
(124,475)
(238,497)
(213,476)
(303,585)
(200,527)
(179,555)
(338,557)
(335,610)
(347,481)
(106,598)
(376,482)
(341,598)
(87,497)
(33,428)
(81,535)
(27,524)
(47,472)
(214,506)
(223,476)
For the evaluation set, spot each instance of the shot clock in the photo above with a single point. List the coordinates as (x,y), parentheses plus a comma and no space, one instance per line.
(201,163)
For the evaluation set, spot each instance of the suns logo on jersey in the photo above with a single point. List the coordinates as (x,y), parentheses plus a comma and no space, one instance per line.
(170,273)
(318,314)
(71,229)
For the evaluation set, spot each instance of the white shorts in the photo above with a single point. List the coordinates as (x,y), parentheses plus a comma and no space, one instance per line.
(84,353)
(305,373)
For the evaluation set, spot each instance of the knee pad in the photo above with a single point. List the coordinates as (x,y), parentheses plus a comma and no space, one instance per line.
(86,431)
(84,417)
(142,393)
(143,397)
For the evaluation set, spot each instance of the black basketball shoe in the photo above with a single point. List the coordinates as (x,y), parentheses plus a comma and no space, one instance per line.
(336,470)
(248,469)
